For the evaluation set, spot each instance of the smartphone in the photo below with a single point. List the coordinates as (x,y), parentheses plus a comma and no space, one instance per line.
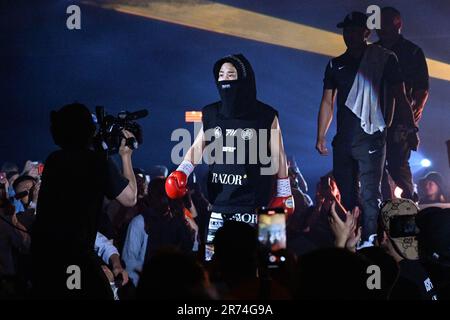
(403,226)
(272,234)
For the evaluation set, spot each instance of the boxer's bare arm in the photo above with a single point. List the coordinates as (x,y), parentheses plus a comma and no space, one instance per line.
(195,152)
(277,149)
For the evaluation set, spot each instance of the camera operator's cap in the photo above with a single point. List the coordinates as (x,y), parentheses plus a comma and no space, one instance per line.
(434,225)
(354,19)
(407,246)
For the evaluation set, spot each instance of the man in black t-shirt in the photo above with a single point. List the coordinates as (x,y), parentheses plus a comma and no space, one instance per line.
(74,183)
(359,146)
(402,136)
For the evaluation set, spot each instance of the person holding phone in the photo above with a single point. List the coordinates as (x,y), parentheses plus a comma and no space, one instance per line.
(237,188)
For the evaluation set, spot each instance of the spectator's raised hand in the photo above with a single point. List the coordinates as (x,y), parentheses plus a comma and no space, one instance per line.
(35,194)
(352,242)
(28,166)
(342,230)
(34,172)
(31,169)
(355,235)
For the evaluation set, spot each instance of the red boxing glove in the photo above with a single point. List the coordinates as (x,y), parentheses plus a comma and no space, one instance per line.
(284,198)
(176,182)
(176,185)
(287,203)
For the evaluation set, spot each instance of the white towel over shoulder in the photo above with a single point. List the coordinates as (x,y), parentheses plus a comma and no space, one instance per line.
(364,96)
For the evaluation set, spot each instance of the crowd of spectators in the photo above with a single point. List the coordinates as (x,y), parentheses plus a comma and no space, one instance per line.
(155,249)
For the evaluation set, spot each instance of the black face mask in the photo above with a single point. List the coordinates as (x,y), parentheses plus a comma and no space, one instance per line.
(237,100)
(228,91)
(238,97)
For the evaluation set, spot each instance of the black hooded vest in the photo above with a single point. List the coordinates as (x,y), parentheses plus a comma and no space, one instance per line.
(237,128)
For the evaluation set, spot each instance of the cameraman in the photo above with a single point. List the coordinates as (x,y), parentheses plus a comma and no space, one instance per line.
(74,183)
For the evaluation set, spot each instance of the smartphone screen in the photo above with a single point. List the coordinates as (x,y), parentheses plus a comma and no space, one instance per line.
(272,233)
(403,226)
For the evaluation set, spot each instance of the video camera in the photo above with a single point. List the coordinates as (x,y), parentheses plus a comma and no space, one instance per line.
(109,135)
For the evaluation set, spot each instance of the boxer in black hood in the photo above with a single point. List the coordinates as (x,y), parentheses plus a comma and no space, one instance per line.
(236,189)
(238,96)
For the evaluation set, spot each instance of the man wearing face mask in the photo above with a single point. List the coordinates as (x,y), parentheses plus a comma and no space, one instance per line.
(240,129)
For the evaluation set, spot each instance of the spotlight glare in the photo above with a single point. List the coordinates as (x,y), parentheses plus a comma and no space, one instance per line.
(425,163)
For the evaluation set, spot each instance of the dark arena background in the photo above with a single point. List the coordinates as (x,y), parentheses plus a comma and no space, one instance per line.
(159,55)
(126,59)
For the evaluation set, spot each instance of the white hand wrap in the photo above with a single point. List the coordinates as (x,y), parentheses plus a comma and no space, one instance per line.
(283,188)
(187,167)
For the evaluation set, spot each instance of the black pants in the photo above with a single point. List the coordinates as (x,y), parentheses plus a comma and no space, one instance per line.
(398,152)
(361,161)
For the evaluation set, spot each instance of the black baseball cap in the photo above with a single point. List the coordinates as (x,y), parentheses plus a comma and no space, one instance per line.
(354,19)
